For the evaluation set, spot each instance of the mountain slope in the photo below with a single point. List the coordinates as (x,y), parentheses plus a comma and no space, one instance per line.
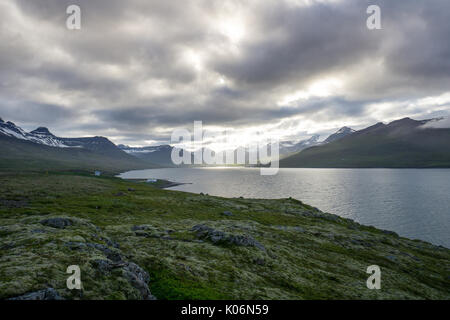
(159,155)
(341,133)
(402,143)
(43,136)
(289,147)
(41,150)
(19,155)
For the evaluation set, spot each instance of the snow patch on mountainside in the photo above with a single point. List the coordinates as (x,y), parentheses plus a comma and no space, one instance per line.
(151,149)
(341,133)
(40,135)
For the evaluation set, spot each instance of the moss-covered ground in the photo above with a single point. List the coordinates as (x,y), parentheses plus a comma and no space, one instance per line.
(305,253)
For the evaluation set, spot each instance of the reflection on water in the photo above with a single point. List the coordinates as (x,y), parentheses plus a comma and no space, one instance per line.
(412,202)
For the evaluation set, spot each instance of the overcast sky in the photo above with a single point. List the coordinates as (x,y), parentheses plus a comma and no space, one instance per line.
(137,69)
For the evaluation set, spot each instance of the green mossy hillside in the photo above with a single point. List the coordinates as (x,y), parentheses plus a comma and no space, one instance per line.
(259,249)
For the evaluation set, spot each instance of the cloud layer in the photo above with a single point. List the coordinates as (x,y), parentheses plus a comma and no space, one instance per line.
(138,69)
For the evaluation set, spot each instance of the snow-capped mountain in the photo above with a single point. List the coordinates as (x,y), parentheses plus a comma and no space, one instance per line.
(43,136)
(160,155)
(403,143)
(150,149)
(342,132)
(290,147)
(287,147)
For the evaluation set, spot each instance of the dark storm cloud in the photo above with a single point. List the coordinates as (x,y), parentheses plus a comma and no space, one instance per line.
(313,40)
(30,115)
(423,51)
(325,38)
(139,68)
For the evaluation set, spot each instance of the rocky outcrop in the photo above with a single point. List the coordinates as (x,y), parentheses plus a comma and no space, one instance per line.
(136,276)
(219,237)
(45,294)
(139,279)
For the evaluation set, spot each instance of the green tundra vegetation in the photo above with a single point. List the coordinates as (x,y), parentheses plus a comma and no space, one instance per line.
(133,240)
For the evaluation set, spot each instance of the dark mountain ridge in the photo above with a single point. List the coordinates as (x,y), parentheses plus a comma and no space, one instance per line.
(403,143)
(40,149)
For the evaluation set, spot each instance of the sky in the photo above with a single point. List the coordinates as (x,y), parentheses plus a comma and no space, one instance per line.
(138,69)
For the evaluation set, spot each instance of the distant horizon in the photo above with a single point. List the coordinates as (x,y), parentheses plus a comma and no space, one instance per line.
(322,137)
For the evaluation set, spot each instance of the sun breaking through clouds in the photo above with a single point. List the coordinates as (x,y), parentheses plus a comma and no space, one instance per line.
(138,69)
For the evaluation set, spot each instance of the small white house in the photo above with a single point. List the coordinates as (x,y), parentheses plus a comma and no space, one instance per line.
(151,180)
(97,173)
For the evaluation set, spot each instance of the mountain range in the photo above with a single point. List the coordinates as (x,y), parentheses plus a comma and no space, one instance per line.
(341,133)
(161,155)
(41,150)
(403,143)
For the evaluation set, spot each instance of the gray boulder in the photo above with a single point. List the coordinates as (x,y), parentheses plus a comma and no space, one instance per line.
(139,279)
(219,237)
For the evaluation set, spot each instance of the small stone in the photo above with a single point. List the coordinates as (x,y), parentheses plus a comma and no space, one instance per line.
(38,231)
(8,246)
(227,213)
(299,229)
(138,228)
(392,258)
(59,223)
(259,262)
(140,233)
(391,233)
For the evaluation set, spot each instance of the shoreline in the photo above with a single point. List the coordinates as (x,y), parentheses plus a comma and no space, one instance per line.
(159,183)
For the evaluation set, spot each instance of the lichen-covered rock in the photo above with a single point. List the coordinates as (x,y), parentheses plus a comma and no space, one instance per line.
(112,254)
(139,279)
(45,294)
(59,223)
(103,266)
(139,228)
(218,237)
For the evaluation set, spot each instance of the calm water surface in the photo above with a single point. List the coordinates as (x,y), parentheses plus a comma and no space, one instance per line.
(412,202)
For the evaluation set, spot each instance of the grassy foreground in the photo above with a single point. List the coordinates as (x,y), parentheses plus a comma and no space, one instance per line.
(197,246)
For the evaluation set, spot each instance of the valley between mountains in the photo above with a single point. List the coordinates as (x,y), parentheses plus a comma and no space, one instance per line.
(133,240)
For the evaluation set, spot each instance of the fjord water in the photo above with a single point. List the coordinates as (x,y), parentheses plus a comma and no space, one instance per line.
(415,203)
